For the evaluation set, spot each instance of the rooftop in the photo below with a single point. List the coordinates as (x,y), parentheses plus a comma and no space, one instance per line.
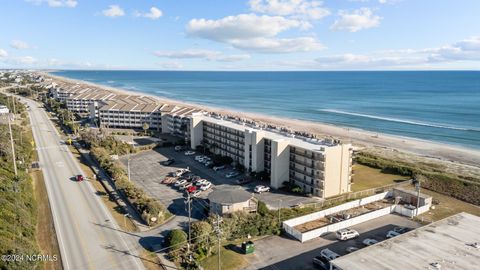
(445,244)
(297,141)
(229,195)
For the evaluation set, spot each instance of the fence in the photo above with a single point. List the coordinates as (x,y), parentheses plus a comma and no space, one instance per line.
(356,195)
(289,225)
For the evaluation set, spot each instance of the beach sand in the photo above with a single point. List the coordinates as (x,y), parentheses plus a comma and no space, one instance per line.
(389,145)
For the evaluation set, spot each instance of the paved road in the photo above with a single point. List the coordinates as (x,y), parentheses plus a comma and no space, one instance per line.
(88,236)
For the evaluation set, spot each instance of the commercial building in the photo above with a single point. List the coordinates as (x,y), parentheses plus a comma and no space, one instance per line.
(319,167)
(226,200)
(451,243)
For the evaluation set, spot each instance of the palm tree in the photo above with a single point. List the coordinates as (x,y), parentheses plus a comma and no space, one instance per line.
(145,127)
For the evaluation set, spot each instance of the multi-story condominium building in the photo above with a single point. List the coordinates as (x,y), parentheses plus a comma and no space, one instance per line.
(319,167)
(131,112)
(62,91)
(178,122)
(80,103)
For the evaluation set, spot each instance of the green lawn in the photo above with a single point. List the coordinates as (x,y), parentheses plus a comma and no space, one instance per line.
(447,206)
(367,177)
(229,260)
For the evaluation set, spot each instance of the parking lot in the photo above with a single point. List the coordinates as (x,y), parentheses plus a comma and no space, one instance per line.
(276,252)
(146,170)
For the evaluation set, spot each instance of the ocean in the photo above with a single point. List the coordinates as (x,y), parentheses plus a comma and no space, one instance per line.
(441,106)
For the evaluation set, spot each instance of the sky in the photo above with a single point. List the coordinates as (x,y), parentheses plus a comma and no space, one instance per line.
(240,34)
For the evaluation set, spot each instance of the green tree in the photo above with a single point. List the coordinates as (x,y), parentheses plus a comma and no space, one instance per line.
(176,240)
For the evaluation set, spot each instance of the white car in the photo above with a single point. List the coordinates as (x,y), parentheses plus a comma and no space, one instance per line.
(232,174)
(218,168)
(391,234)
(189,153)
(369,241)
(260,189)
(201,182)
(346,234)
(196,193)
(180,182)
(206,186)
(198,158)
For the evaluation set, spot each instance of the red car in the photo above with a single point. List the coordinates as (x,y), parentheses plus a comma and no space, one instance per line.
(80,178)
(191,188)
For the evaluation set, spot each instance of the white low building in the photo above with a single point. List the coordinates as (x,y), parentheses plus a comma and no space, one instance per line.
(4,109)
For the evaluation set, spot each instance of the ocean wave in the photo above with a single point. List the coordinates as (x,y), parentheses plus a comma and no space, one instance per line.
(162,92)
(110,82)
(399,120)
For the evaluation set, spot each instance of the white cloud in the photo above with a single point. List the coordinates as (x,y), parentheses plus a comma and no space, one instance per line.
(153,14)
(3,53)
(19,44)
(202,54)
(56,3)
(113,11)
(356,20)
(254,33)
(278,45)
(307,9)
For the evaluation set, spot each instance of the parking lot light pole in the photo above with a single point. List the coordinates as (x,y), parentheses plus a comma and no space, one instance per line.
(279,210)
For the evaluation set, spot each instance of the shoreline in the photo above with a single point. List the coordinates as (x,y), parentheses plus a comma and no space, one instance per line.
(358,137)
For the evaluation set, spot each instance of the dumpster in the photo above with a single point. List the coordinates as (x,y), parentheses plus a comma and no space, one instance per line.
(248,247)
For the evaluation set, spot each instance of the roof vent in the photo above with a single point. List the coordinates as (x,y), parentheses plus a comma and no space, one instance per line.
(436,265)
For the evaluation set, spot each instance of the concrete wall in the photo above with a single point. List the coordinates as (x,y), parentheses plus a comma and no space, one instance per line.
(196,132)
(289,225)
(337,170)
(221,209)
(255,140)
(280,161)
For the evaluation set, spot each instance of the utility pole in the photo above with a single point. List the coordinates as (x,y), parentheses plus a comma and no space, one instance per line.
(189,202)
(128,167)
(13,146)
(279,210)
(219,235)
(417,188)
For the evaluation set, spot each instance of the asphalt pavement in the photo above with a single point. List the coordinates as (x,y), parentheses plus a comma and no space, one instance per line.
(88,236)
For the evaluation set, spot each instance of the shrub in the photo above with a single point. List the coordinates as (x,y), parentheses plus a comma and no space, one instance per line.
(176,240)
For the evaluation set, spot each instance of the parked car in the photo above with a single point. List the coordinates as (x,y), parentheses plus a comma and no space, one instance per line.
(195,178)
(197,158)
(168,162)
(208,163)
(391,234)
(180,182)
(196,193)
(351,249)
(219,168)
(200,182)
(178,148)
(328,254)
(191,188)
(79,178)
(232,174)
(369,241)
(346,234)
(186,186)
(321,263)
(189,153)
(206,186)
(244,181)
(181,172)
(260,189)
(401,229)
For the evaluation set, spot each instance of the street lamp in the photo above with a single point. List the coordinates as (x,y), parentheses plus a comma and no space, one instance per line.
(125,219)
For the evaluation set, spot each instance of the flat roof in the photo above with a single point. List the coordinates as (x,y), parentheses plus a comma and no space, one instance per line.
(309,144)
(447,242)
